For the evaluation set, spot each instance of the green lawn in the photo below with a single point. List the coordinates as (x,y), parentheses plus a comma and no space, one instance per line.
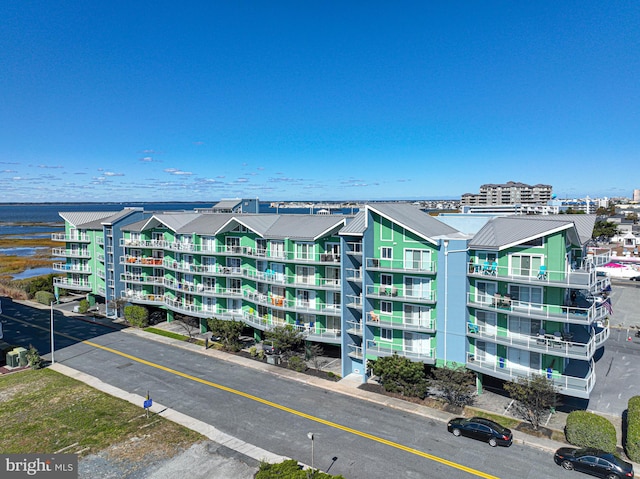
(43,411)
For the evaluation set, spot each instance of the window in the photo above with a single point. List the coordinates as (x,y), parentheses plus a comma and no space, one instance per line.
(386,307)
(386,229)
(533,242)
(232,244)
(488,319)
(486,292)
(304,251)
(525,265)
(417,259)
(417,287)
(386,280)
(386,253)
(386,334)
(261,246)
(277,249)
(332,275)
(305,274)
(208,243)
(416,315)
(525,296)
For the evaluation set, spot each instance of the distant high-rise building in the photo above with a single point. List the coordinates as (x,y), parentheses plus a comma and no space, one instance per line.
(636,195)
(509,193)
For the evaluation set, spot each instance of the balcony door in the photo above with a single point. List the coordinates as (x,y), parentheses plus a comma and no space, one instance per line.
(416,343)
(486,292)
(523,360)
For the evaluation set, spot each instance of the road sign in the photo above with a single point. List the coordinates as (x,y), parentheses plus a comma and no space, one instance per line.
(148,403)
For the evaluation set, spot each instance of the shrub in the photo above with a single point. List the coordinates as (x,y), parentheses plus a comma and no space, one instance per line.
(136,316)
(83,306)
(632,441)
(297,364)
(33,357)
(44,297)
(253,351)
(289,469)
(399,374)
(585,429)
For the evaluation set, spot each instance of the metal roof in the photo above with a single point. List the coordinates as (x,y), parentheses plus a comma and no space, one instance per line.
(304,227)
(507,231)
(81,218)
(226,204)
(413,219)
(356,225)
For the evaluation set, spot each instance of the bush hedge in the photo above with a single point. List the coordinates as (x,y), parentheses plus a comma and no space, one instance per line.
(137,316)
(83,306)
(632,441)
(585,429)
(44,297)
(289,469)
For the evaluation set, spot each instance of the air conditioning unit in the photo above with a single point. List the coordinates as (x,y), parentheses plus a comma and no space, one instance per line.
(22,356)
(13,360)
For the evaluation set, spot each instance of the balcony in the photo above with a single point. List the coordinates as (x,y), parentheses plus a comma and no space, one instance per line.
(71,238)
(70,253)
(577,343)
(355,328)
(379,349)
(411,267)
(72,268)
(140,297)
(141,279)
(413,295)
(354,248)
(582,278)
(353,302)
(69,283)
(139,243)
(424,325)
(354,351)
(354,275)
(141,260)
(577,381)
(568,314)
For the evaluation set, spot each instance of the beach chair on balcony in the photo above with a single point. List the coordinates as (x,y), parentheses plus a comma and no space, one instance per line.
(473,328)
(542,272)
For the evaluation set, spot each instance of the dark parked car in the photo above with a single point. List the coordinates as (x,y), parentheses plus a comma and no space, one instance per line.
(635,278)
(481,429)
(593,461)
(269,347)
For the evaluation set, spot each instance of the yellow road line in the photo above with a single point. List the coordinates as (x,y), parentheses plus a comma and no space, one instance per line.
(274,405)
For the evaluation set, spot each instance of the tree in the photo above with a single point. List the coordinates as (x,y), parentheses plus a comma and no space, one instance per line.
(400,375)
(604,228)
(534,397)
(285,338)
(228,331)
(117,305)
(137,316)
(190,325)
(456,384)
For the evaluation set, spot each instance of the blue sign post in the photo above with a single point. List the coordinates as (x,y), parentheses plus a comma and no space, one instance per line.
(148,402)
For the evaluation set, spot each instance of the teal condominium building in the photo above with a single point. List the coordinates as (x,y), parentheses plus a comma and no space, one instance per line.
(505,296)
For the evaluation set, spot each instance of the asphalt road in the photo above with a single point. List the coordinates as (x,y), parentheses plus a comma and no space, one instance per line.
(274,413)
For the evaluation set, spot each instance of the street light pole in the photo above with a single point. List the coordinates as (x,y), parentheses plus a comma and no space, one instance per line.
(310,436)
(52,345)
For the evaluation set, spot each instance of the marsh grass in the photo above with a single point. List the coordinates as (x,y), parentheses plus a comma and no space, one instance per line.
(42,411)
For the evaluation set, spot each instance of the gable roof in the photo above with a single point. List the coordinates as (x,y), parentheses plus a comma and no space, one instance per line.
(506,231)
(81,219)
(413,219)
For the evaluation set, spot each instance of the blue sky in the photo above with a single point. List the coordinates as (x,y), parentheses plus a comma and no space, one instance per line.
(316,100)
